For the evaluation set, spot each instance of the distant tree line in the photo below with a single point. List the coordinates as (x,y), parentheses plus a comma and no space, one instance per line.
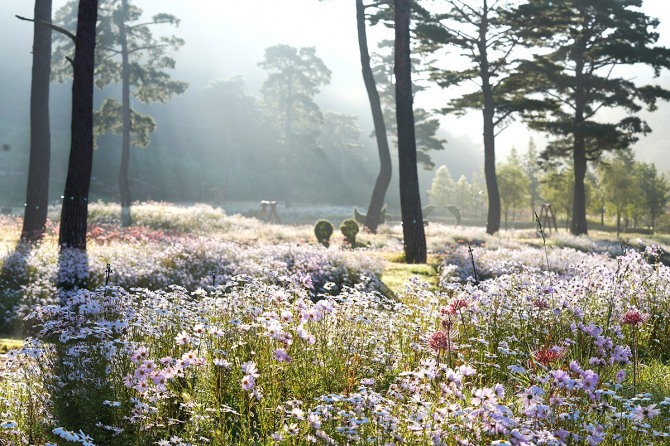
(631,194)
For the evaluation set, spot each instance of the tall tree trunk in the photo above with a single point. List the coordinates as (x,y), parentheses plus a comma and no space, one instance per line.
(74,213)
(493,217)
(385,168)
(578,226)
(414,238)
(37,194)
(124,187)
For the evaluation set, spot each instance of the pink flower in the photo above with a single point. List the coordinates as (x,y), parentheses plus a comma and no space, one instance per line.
(149,365)
(438,341)
(454,306)
(140,354)
(189,358)
(546,356)
(199,329)
(141,373)
(621,375)
(640,413)
(590,380)
(248,382)
(250,368)
(182,338)
(159,380)
(635,318)
(281,355)
(286,316)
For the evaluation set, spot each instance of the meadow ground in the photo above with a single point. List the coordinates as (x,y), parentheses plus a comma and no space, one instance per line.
(218,329)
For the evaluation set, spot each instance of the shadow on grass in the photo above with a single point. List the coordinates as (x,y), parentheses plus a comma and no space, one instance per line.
(14,276)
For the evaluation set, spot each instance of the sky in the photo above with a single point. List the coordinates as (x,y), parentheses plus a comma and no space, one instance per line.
(225,38)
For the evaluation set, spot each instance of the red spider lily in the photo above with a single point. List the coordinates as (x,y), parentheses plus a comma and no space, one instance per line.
(635,318)
(546,356)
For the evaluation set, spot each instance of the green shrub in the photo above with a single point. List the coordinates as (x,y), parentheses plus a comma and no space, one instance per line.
(323,229)
(349,229)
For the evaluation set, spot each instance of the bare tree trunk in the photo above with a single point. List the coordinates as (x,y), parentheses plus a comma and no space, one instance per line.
(37,194)
(414,238)
(493,217)
(385,168)
(74,213)
(124,187)
(578,226)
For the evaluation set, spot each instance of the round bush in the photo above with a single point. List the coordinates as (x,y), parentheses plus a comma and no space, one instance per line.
(349,229)
(323,229)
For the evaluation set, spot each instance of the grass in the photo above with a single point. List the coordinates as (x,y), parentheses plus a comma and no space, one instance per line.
(655,379)
(9,344)
(397,273)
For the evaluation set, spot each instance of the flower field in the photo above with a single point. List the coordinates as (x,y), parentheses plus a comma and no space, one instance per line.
(196,337)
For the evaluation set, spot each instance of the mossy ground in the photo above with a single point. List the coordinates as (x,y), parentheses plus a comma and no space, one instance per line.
(397,272)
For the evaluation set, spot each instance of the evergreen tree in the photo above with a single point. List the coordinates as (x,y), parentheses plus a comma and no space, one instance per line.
(478,34)
(37,195)
(128,54)
(295,76)
(74,213)
(414,238)
(385,167)
(577,45)
(426,125)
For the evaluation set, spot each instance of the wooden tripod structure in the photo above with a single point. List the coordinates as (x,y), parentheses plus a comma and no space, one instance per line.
(547,217)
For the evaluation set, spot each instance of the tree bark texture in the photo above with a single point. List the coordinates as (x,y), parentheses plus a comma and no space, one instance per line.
(385,167)
(578,226)
(493,217)
(414,238)
(124,187)
(74,213)
(37,194)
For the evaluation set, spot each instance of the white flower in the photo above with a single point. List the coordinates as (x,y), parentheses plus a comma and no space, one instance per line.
(111,403)
(220,362)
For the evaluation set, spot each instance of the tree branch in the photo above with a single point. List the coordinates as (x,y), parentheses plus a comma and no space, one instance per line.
(52,26)
(158,22)
(148,47)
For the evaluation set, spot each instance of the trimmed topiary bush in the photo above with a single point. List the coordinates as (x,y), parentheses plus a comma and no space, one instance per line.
(323,229)
(349,229)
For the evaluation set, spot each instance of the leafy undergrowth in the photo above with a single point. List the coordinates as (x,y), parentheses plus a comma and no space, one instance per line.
(523,348)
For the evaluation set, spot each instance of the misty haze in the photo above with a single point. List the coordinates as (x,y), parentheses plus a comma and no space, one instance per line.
(334,222)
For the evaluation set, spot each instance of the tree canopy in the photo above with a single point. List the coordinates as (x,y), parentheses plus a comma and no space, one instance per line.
(578,46)
(294,77)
